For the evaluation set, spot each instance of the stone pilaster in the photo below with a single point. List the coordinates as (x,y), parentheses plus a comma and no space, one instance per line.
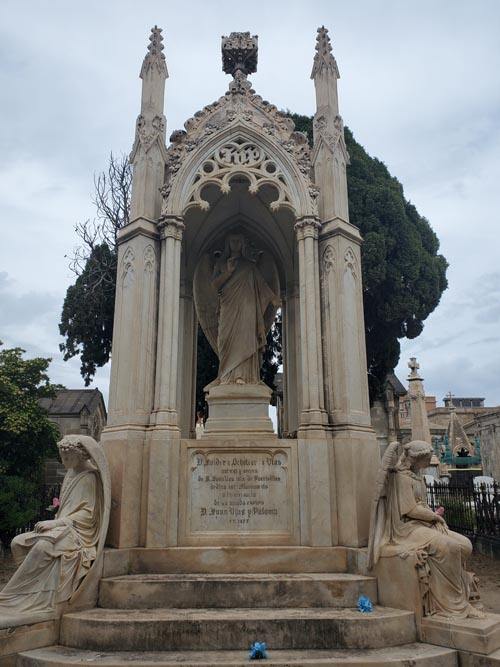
(165,411)
(313,416)
(131,398)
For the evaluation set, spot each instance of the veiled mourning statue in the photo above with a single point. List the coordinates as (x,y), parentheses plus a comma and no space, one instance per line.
(237,295)
(56,558)
(403,525)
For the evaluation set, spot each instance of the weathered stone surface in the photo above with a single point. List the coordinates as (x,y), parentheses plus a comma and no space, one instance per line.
(476,660)
(477,635)
(25,637)
(187,591)
(417,655)
(218,629)
(220,560)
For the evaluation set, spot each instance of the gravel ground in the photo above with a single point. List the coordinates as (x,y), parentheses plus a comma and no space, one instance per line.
(486,568)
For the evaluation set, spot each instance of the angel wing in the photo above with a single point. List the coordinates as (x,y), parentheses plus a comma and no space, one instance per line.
(99,460)
(377,514)
(206,299)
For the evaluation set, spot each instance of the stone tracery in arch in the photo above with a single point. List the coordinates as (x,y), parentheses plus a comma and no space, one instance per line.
(240,158)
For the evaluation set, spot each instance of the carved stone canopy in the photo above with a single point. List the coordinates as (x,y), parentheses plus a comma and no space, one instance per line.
(239,53)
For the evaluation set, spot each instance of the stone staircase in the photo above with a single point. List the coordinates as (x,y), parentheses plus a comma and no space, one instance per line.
(307,619)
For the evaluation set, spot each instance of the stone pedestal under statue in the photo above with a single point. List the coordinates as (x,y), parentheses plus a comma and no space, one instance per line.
(239,411)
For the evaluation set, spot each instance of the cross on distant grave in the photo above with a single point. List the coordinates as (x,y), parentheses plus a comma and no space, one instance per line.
(449,399)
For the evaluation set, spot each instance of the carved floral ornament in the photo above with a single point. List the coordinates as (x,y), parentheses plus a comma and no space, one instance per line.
(307,227)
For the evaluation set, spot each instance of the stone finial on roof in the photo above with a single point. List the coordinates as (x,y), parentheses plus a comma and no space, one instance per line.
(413,366)
(155,56)
(324,58)
(239,53)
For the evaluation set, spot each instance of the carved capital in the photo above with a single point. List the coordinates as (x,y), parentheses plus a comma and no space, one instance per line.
(171,226)
(307,228)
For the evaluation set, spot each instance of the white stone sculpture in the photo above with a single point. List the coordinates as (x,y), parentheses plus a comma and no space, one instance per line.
(403,525)
(56,559)
(236,302)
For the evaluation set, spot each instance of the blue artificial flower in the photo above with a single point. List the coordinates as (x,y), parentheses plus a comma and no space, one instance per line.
(258,651)
(364,604)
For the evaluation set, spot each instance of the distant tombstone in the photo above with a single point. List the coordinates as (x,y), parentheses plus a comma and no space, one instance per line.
(483,479)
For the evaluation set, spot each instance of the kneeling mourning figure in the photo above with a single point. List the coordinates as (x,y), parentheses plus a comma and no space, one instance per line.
(403,525)
(55,558)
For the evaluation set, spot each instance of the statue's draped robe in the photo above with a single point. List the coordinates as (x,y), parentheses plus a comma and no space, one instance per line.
(243,300)
(53,563)
(439,552)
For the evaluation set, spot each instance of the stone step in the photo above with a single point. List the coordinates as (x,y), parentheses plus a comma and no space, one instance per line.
(184,591)
(234,629)
(417,655)
(233,560)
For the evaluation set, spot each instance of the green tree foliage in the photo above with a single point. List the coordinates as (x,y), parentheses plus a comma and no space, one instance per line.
(88,309)
(27,438)
(403,273)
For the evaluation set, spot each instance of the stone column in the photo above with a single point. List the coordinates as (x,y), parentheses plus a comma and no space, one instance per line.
(317,495)
(313,416)
(164,444)
(165,411)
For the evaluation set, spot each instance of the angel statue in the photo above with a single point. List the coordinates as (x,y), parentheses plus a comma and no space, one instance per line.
(237,296)
(402,524)
(58,555)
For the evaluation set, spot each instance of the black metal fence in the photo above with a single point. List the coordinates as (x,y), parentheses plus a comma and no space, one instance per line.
(472,510)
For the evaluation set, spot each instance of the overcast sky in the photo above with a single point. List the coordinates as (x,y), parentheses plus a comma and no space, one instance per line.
(420,89)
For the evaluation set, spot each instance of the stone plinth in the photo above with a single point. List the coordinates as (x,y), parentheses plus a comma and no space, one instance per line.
(239,411)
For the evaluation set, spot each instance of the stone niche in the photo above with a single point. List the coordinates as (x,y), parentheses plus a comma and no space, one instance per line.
(239,491)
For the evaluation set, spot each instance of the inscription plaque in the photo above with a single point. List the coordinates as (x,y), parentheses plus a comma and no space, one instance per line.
(239,490)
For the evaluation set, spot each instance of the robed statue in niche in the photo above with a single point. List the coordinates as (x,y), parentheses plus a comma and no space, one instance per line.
(236,294)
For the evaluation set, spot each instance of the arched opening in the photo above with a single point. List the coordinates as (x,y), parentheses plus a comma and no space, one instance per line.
(270,233)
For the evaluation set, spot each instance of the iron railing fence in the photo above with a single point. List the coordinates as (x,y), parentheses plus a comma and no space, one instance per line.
(473,510)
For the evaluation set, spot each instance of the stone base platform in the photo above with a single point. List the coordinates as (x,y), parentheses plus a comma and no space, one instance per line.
(16,638)
(418,655)
(478,635)
(239,411)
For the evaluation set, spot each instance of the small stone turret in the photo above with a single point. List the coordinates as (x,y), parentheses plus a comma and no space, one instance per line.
(149,152)
(330,155)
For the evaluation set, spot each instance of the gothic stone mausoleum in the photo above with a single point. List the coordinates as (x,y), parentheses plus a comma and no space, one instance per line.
(235,218)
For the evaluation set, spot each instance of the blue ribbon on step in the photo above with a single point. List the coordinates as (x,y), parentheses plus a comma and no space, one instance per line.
(364,604)
(258,651)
